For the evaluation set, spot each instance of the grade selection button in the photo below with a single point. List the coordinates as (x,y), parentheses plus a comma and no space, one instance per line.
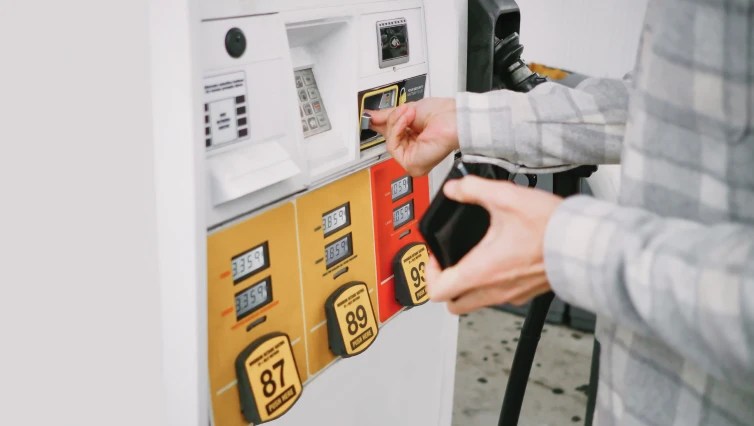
(268,380)
(351,323)
(409,266)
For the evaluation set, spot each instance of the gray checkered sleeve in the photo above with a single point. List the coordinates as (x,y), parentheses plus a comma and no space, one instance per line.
(548,126)
(688,284)
(670,269)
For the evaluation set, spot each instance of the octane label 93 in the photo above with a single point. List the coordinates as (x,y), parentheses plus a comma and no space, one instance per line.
(409,268)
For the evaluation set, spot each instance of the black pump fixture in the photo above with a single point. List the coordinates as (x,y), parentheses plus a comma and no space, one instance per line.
(489,22)
(510,71)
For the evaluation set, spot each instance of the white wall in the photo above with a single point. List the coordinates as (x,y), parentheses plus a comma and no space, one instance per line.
(181,249)
(594,37)
(80,333)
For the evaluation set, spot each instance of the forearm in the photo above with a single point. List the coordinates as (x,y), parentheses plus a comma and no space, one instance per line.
(550,126)
(690,285)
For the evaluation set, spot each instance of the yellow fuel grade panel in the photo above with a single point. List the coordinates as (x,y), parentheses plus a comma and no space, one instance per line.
(337,247)
(253,290)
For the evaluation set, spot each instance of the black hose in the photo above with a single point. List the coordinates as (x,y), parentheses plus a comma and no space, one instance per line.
(563,184)
(591,402)
(523,359)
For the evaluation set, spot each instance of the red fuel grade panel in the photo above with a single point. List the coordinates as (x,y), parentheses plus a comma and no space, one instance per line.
(399,201)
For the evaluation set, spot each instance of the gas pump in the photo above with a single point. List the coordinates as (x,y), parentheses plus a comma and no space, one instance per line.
(312,238)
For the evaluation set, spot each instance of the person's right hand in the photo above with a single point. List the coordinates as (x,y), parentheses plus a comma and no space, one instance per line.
(418,134)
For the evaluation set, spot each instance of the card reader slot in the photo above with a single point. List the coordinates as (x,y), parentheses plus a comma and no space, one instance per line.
(375,100)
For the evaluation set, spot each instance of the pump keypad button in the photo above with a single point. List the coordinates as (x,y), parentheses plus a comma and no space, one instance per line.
(310,103)
(235,42)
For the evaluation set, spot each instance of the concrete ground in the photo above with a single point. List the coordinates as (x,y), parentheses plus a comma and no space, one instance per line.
(556,394)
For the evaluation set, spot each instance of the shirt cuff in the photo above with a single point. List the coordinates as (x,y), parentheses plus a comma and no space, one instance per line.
(485,125)
(577,249)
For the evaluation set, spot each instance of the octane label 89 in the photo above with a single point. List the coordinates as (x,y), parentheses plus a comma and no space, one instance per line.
(351,323)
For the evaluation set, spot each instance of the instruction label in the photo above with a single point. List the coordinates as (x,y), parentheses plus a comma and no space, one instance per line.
(413,89)
(225,109)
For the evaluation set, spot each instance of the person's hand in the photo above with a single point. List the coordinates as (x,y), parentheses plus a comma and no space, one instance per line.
(507,266)
(418,134)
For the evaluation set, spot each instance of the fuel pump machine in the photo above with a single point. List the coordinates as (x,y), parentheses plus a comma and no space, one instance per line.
(313,303)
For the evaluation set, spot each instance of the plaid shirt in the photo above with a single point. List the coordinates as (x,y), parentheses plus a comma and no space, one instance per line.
(670,269)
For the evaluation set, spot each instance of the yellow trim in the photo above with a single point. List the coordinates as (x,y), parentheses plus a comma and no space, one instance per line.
(394,89)
(375,142)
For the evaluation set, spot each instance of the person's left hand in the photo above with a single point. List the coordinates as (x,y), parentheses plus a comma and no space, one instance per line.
(507,266)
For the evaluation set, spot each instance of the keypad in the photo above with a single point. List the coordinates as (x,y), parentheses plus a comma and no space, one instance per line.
(314,119)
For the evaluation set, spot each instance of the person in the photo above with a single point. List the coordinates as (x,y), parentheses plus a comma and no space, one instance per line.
(669,269)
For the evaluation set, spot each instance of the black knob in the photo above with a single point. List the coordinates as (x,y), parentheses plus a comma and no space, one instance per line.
(235,42)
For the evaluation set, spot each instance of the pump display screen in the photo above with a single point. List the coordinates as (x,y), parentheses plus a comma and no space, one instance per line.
(253,298)
(401,187)
(403,214)
(336,219)
(338,250)
(250,262)
(393,40)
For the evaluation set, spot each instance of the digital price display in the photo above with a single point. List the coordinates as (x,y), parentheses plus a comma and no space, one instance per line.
(338,250)
(403,214)
(253,298)
(250,262)
(401,187)
(336,219)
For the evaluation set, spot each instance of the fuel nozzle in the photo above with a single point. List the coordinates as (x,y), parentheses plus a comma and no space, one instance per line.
(510,71)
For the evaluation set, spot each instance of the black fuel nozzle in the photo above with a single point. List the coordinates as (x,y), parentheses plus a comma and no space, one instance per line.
(509,70)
